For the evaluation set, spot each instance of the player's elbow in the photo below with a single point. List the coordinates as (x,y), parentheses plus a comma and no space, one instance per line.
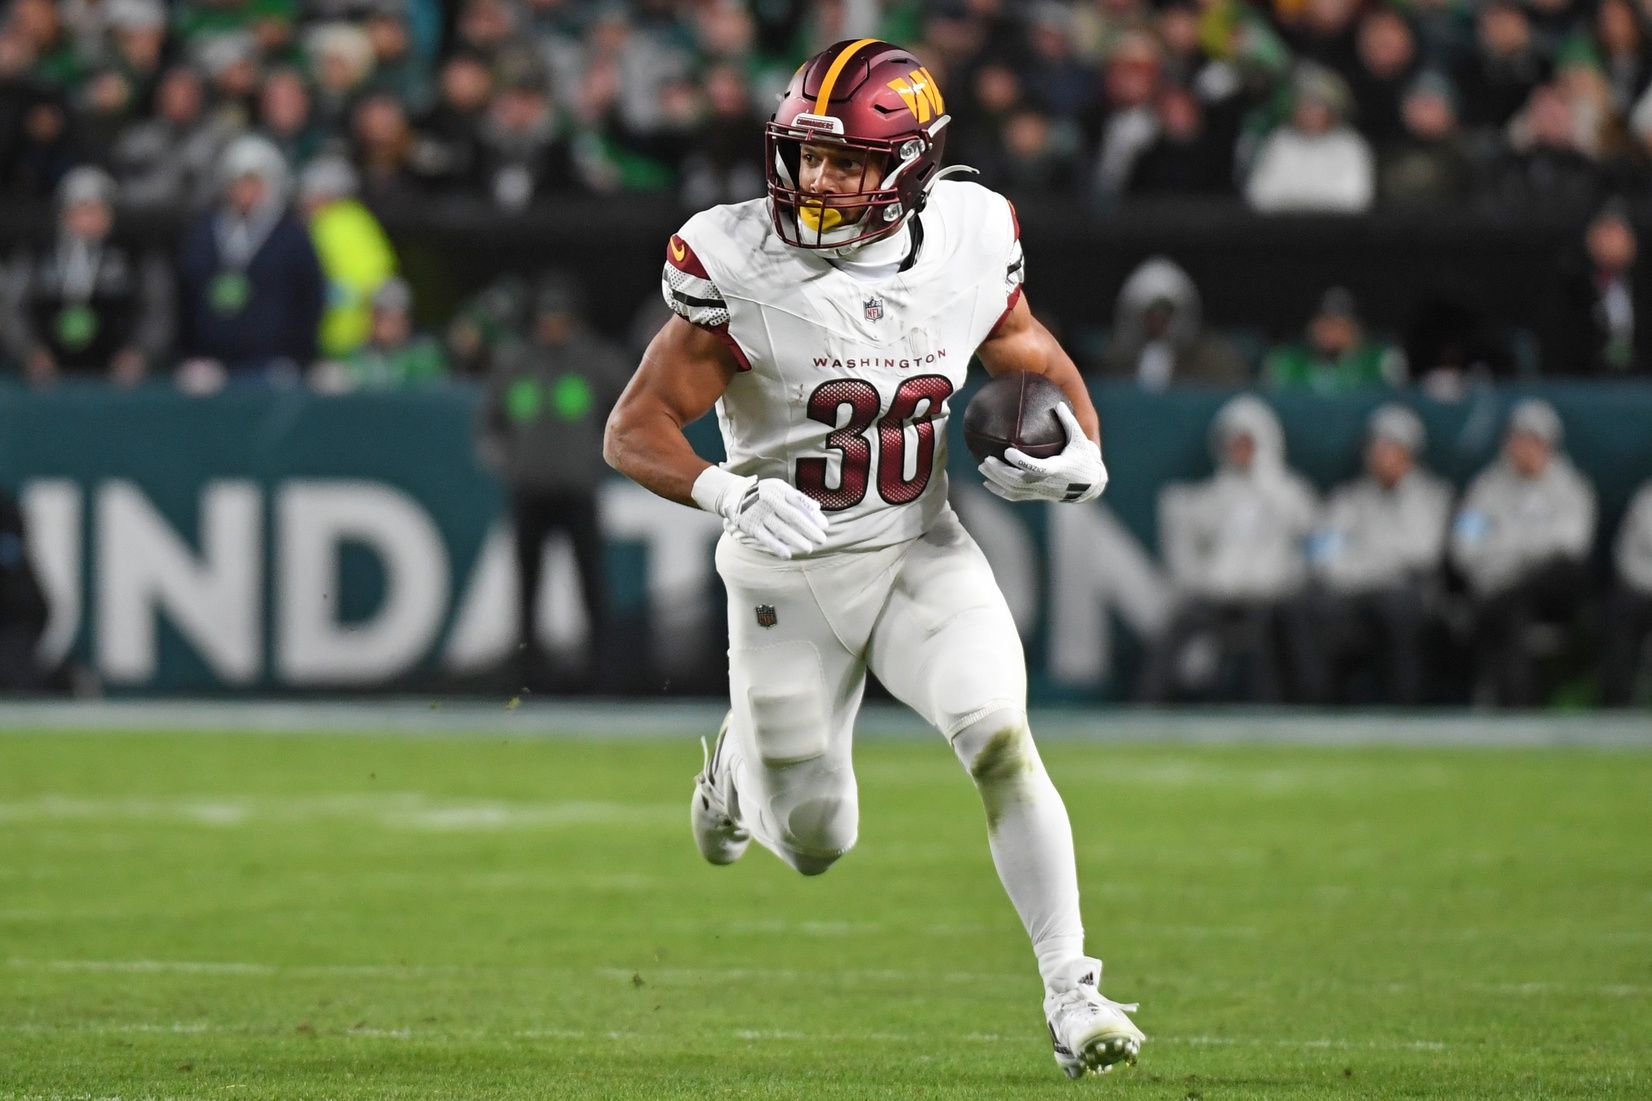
(614,437)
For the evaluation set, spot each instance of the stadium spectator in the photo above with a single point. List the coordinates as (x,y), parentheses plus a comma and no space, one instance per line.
(994,94)
(137,31)
(1387,65)
(1183,158)
(1176,24)
(395,355)
(56,62)
(23,608)
(1336,357)
(1521,539)
(250,287)
(1056,79)
(525,156)
(1323,32)
(1129,123)
(1601,132)
(384,145)
(1428,164)
(1505,66)
(723,164)
(540,426)
(1544,163)
(42,138)
(484,27)
(341,61)
(170,158)
(1629,609)
(485,321)
(1316,161)
(285,119)
(1159,338)
(1602,323)
(355,255)
(1040,156)
(85,305)
(1625,55)
(448,150)
(1376,560)
(397,67)
(230,63)
(1234,548)
(104,105)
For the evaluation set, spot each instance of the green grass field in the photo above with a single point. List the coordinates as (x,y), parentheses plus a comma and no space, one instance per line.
(235,916)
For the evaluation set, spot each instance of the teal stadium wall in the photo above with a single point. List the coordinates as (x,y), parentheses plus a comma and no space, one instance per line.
(283,542)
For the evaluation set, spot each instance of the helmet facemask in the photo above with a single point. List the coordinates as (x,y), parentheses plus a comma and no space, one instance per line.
(894,176)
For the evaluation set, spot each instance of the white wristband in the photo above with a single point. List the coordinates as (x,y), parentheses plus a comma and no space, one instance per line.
(712,487)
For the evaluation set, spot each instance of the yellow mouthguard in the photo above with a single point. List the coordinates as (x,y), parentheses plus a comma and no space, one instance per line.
(820,218)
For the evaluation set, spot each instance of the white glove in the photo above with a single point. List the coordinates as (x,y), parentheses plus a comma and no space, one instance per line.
(774,515)
(1076,474)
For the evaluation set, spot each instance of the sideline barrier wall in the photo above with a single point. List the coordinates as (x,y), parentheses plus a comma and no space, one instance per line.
(283,542)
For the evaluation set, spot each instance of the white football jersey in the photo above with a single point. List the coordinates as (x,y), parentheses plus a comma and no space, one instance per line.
(845,385)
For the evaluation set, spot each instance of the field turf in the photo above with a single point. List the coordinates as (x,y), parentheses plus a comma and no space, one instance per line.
(238,916)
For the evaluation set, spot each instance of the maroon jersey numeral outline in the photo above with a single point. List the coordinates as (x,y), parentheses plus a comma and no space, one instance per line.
(916,402)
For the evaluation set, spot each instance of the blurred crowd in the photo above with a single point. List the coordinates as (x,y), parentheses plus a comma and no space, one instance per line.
(1390,589)
(277,128)
(1594,321)
(1290,104)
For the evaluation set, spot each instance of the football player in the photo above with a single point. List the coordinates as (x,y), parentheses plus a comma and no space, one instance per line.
(829,325)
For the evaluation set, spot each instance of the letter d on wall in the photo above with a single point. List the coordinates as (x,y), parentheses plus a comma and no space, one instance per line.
(315,519)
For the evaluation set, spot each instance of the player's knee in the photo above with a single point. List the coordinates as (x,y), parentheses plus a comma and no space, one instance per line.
(820,831)
(811,865)
(996,747)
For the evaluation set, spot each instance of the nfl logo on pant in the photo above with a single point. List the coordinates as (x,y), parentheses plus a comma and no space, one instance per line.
(874,308)
(766,616)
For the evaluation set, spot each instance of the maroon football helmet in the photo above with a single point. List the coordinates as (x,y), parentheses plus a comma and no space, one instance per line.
(865,95)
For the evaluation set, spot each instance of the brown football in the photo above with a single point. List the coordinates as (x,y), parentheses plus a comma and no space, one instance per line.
(1015,410)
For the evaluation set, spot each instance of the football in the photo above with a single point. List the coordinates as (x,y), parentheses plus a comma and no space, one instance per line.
(1015,410)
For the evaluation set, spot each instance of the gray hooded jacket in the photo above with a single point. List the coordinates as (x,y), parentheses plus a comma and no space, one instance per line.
(1240,535)
(1185,353)
(1376,538)
(1509,524)
(1634,548)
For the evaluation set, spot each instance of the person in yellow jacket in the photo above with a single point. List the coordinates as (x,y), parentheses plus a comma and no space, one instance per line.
(355,254)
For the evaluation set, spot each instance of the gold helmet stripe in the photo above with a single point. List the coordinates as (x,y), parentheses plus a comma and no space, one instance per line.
(838,63)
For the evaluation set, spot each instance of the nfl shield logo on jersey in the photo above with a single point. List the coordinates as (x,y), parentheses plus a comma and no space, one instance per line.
(874,308)
(766,616)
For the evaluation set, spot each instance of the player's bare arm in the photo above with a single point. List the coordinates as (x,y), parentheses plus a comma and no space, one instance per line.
(684,371)
(682,374)
(1022,343)
(1077,474)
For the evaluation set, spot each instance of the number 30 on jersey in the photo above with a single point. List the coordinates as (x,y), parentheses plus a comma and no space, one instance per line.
(909,419)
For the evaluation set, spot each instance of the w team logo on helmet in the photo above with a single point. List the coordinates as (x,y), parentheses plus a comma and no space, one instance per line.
(863,95)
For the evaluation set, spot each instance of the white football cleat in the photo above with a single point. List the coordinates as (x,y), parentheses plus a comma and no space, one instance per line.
(1090,1033)
(716,820)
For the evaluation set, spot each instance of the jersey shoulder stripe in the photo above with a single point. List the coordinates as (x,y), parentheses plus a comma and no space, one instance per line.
(688,287)
(691,293)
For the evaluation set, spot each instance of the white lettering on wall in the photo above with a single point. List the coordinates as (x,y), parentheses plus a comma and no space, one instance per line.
(315,520)
(52,507)
(144,569)
(1096,568)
